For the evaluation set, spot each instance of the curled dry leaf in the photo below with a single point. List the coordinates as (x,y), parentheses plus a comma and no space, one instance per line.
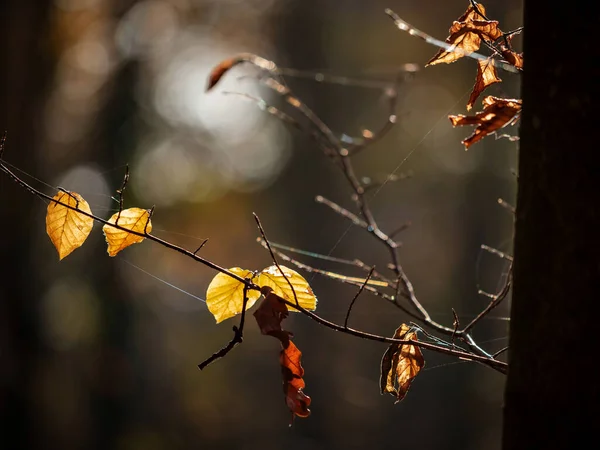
(293,383)
(272,277)
(465,36)
(68,229)
(400,364)
(486,76)
(225,295)
(224,66)
(511,57)
(269,315)
(134,219)
(497,113)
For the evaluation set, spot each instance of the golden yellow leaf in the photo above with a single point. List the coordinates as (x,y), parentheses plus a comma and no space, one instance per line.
(225,295)
(134,219)
(400,364)
(68,229)
(273,278)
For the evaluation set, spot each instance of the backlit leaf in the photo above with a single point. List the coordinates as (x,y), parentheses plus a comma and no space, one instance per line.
(497,113)
(465,36)
(400,364)
(272,277)
(224,66)
(269,315)
(293,383)
(68,229)
(486,76)
(225,295)
(134,219)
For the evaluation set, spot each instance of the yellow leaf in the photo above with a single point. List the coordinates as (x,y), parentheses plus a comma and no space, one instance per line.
(273,278)
(68,229)
(225,295)
(134,219)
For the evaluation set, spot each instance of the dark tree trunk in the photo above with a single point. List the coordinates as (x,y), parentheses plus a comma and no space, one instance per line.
(24,74)
(552,391)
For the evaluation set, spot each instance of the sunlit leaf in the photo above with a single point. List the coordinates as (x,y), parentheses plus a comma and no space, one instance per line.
(269,315)
(400,364)
(134,219)
(225,295)
(68,229)
(224,66)
(511,57)
(293,383)
(486,76)
(273,278)
(465,36)
(497,113)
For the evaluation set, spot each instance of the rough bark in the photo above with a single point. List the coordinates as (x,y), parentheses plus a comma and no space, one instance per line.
(552,393)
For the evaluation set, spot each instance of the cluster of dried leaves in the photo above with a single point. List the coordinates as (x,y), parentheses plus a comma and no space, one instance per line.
(466,36)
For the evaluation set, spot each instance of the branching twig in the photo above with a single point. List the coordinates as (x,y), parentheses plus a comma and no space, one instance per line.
(238,336)
(356,296)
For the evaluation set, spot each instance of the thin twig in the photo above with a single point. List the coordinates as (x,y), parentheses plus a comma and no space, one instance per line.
(238,336)
(150,237)
(499,352)
(356,296)
(496,300)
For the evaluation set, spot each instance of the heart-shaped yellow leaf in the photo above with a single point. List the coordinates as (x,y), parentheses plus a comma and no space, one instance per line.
(272,277)
(134,219)
(68,229)
(225,295)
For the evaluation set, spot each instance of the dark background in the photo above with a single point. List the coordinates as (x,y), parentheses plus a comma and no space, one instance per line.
(95,353)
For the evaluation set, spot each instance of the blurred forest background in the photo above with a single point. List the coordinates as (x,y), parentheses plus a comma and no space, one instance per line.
(97,353)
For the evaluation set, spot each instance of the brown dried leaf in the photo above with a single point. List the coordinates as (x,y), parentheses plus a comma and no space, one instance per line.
(486,76)
(514,58)
(269,315)
(224,66)
(497,113)
(134,219)
(68,229)
(465,36)
(293,383)
(400,364)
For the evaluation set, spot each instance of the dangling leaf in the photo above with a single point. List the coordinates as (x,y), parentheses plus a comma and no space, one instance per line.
(134,219)
(273,278)
(486,76)
(293,383)
(269,315)
(225,295)
(497,113)
(68,229)
(400,364)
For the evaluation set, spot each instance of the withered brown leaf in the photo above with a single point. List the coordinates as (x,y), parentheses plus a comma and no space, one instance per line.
(486,76)
(224,66)
(400,364)
(293,383)
(465,36)
(269,315)
(497,113)
(514,58)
